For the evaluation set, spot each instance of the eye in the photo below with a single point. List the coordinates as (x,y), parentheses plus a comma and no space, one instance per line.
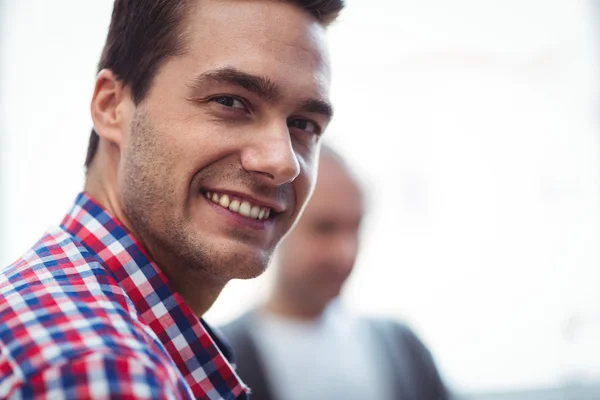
(304,125)
(230,101)
(326,227)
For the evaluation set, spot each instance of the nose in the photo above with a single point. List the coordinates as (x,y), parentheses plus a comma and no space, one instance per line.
(271,156)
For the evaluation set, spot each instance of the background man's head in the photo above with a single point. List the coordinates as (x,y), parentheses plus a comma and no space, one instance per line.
(207,123)
(318,255)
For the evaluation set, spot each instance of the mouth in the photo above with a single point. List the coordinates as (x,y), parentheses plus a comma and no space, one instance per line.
(241,206)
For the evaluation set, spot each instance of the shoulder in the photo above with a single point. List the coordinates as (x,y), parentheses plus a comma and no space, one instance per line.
(401,337)
(410,354)
(59,307)
(98,376)
(57,258)
(59,276)
(390,326)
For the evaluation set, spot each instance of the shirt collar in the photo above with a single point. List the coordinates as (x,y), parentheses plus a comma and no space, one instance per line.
(185,337)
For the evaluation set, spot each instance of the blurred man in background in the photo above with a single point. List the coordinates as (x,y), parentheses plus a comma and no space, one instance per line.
(302,344)
(207,123)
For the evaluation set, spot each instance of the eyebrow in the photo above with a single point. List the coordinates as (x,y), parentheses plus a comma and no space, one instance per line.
(317,107)
(260,85)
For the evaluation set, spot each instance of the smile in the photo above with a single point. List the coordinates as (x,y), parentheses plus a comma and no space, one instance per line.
(239,206)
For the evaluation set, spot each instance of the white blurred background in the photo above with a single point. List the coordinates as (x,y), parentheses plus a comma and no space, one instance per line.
(476,124)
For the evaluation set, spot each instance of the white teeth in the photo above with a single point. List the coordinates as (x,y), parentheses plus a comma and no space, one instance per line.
(245,209)
(234,205)
(224,202)
(264,213)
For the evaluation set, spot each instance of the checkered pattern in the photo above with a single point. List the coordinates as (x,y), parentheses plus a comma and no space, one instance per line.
(87,314)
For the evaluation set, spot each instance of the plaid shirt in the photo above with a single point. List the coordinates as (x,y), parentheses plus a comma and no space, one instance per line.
(87,314)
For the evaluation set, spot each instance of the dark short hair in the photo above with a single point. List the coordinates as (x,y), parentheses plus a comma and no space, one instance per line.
(144,33)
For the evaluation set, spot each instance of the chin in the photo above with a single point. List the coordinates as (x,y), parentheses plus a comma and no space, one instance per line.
(249,269)
(334,294)
(245,266)
(248,273)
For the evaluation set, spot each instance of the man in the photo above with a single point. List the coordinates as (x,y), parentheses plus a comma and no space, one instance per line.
(207,121)
(301,344)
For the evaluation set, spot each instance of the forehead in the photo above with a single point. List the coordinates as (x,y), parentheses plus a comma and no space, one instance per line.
(273,38)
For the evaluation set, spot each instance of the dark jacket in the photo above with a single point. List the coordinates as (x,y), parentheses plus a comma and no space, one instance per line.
(411,366)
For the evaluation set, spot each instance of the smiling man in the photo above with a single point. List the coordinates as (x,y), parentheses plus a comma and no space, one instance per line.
(207,122)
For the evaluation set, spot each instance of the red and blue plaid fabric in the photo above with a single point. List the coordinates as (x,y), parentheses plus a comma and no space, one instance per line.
(87,314)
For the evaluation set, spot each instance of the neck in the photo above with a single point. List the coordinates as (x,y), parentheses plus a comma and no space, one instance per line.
(280,303)
(101,181)
(197,289)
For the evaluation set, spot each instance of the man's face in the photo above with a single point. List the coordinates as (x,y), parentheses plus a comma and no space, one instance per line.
(222,152)
(319,253)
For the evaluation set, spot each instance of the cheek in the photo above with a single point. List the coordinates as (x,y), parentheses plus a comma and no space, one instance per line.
(310,253)
(185,131)
(180,155)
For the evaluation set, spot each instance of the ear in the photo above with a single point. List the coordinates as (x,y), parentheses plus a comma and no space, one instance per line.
(111,107)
